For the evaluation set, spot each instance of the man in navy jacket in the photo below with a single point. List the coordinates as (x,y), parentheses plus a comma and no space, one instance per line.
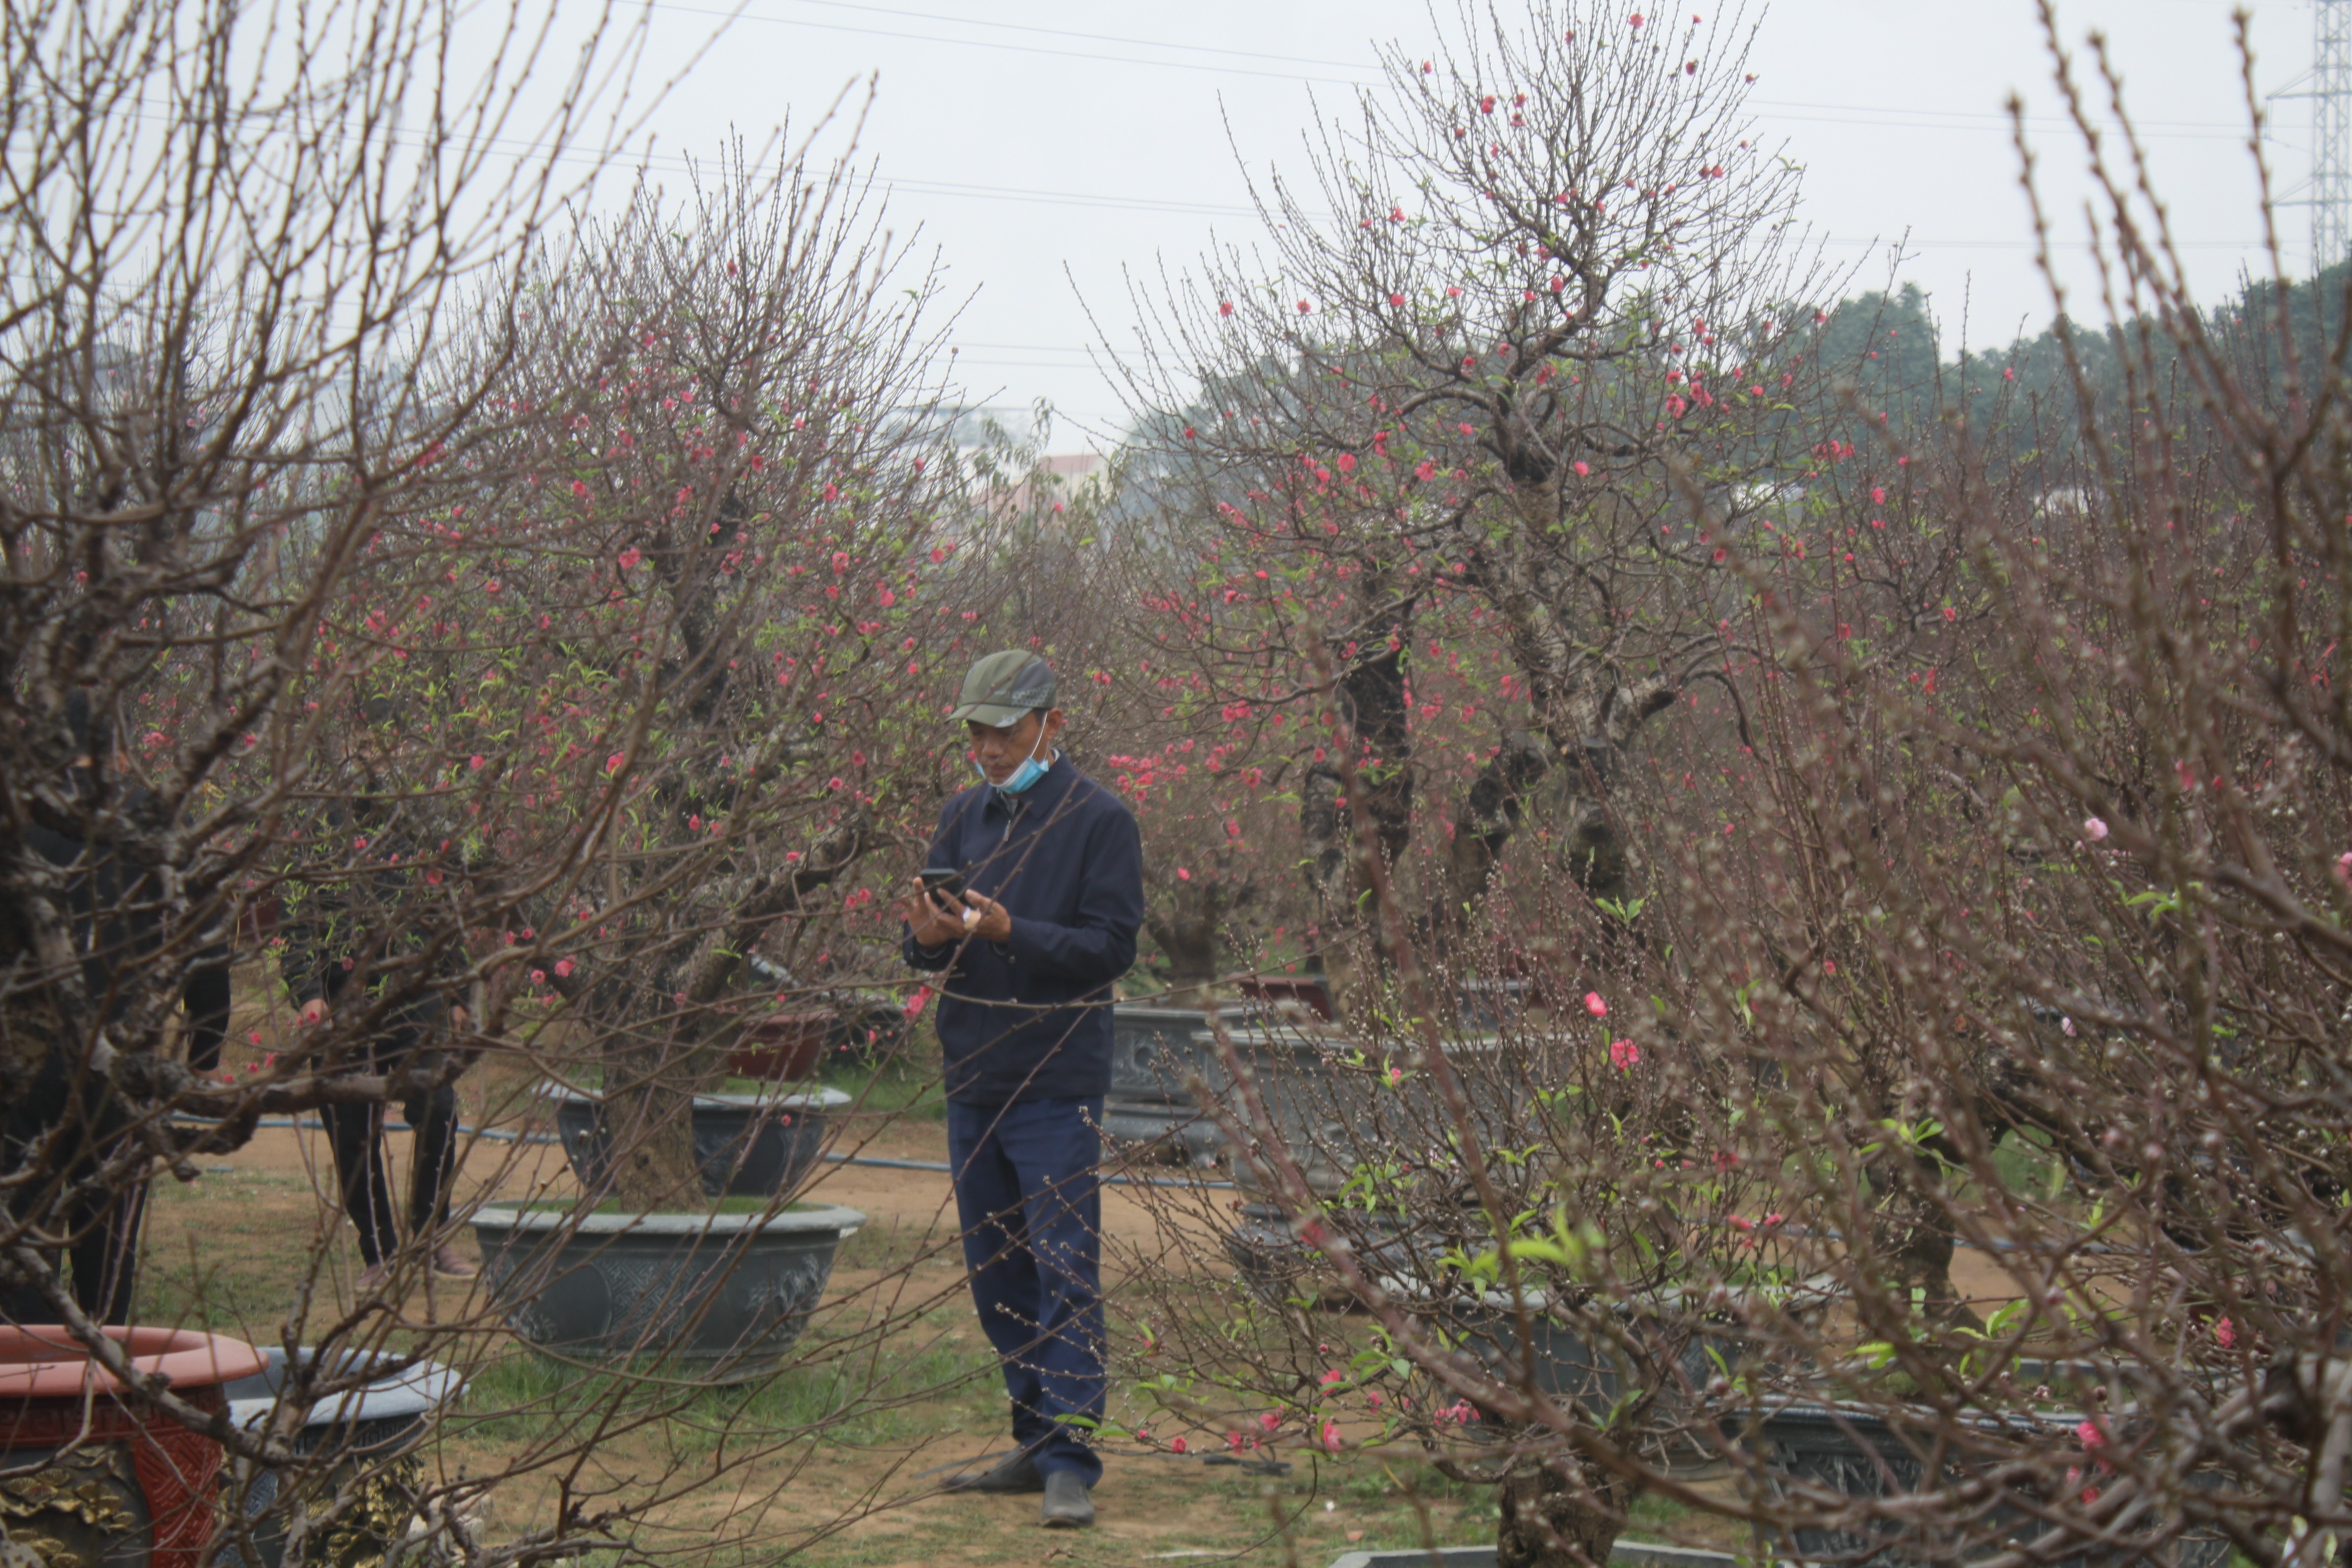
(1052,894)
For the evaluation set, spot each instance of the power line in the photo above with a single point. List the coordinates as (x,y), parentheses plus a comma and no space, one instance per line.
(1844,114)
(1073,33)
(675,6)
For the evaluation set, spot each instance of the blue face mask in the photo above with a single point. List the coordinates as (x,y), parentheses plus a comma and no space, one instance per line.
(1030,771)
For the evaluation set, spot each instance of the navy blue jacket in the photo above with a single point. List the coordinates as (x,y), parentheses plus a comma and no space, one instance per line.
(1029,1019)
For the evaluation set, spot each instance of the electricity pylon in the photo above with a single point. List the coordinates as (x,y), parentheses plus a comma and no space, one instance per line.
(2331,128)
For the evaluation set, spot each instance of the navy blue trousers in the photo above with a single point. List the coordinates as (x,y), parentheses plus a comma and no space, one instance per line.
(1031,1207)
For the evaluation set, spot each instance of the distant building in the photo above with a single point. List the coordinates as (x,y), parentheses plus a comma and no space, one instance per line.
(1055,484)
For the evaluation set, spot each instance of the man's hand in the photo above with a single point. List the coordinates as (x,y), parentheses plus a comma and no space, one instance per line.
(935,919)
(314,1011)
(457,1017)
(994,924)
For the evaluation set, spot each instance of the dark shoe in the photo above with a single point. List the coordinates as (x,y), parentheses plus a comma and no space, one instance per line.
(1066,1505)
(1016,1472)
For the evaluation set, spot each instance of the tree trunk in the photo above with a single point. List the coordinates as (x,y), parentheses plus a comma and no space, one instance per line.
(1191,930)
(649,1093)
(1910,1231)
(1551,1521)
(1490,815)
(658,1058)
(1375,727)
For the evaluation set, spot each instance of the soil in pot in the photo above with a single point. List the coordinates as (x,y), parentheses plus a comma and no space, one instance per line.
(1307,991)
(721,1295)
(85,1477)
(1266,1249)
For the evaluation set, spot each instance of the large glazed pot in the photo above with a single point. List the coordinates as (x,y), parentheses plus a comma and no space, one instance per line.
(1333,1101)
(1863,1454)
(785,1046)
(1489,1005)
(1281,1265)
(87,1479)
(1154,1050)
(358,1446)
(1308,993)
(747,1145)
(1655,1344)
(717,1296)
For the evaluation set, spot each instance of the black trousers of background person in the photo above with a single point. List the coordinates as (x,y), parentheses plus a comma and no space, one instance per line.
(355,1133)
(100,1265)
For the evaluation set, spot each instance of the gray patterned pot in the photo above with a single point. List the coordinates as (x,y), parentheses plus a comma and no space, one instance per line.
(1333,1100)
(1154,1050)
(359,1447)
(1667,1347)
(719,1297)
(745,1145)
(1861,1453)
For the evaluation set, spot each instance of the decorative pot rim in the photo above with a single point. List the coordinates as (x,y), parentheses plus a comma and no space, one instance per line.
(1675,1298)
(1825,1414)
(184,1358)
(794,1100)
(835,1218)
(1151,1008)
(420,1386)
(1294,1040)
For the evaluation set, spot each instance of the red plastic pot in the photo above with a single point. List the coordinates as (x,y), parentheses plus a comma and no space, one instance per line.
(784,1046)
(65,1427)
(1306,990)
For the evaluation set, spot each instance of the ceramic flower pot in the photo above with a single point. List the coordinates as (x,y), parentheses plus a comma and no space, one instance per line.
(1155,1050)
(1333,1101)
(1864,1453)
(87,1479)
(352,1499)
(715,1295)
(747,1145)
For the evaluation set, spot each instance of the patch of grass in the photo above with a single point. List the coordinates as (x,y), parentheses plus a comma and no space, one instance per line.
(2027,1165)
(855,1395)
(906,1083)
(893,1244)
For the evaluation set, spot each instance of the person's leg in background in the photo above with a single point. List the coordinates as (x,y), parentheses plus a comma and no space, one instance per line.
(355,1133)
(106,1258)
(1003,1278)
(1031,1205)
(1054,1146)
(70,1124)
(434,1115)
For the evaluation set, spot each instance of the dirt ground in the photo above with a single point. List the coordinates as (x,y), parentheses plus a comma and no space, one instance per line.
(238,1238)
(237,1241)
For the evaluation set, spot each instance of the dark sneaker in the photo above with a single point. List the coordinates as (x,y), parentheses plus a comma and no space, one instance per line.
(1016,1472)
(1066,1505)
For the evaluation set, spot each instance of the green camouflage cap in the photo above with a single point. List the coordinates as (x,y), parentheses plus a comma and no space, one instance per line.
(1005,686)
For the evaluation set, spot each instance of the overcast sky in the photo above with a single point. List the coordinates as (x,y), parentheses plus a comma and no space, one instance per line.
(1044,146)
